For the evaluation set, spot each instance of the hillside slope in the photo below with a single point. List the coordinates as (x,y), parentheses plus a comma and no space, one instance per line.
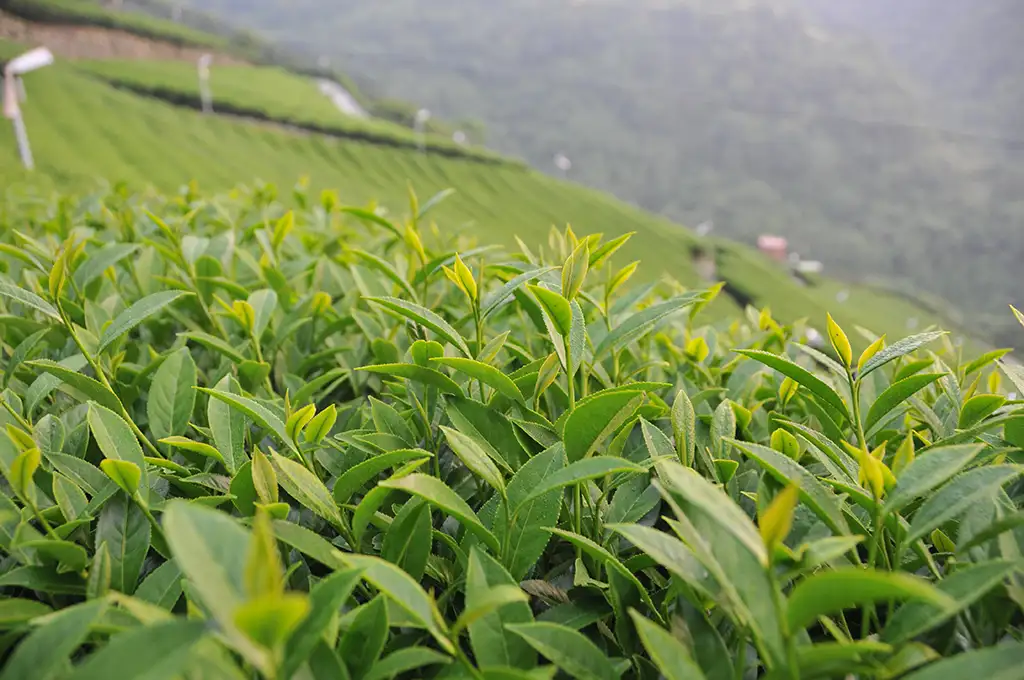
(734,111)
(119,136)
(968,52)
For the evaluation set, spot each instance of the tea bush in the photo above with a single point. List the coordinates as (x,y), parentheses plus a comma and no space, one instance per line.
(250,442)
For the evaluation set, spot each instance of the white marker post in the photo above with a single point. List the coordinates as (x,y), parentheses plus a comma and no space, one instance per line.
(15,69)
(563,164)
(203,68)
(422,116)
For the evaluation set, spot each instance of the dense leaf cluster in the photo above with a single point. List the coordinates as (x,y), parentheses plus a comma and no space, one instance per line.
(242,441)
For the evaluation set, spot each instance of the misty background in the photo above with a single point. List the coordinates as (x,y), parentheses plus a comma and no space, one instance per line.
(882,137)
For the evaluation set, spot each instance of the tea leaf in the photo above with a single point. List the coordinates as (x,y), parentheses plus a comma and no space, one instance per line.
(24,297)
(672,658)
(305,487)
(832,591)
(172,396)
(155,652)
(424,317)
(595,419)
(642,323)
(135,315)
(46,649)
(259,413)
(436,492)
(117,442)
(569,650)
(801,375)
(126,531)
(488,375)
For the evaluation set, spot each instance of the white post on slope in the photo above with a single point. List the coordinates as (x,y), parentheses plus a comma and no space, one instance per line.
(563,164)
(422,116)
(203,69)
(17,67)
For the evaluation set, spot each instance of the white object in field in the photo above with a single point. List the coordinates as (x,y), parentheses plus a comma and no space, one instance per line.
(459,137)
(911,323)
(810,267)
(29,61)
(15,68)
(203,69)
(842,296)
(341,98)
(563,163)
(422,116)
(814,338)
(704,228)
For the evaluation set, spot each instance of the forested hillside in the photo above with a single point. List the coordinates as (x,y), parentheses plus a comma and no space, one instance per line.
(746,113)
(968,52)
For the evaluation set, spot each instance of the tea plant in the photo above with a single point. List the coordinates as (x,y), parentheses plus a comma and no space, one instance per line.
(249,442)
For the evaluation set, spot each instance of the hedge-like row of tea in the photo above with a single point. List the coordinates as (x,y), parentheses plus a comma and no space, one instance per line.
(243,441)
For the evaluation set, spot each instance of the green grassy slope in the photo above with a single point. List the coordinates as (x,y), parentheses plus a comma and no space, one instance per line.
(84,130)
(265,92)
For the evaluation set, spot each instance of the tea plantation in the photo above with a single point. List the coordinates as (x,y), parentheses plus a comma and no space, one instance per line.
(243,441)
(387,421)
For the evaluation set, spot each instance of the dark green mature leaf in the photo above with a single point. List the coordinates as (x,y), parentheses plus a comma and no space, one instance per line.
(126,531)
(228,427)
(405,660)
(155,652)
(43,651)
(263,416)
(408,540)
(172,395)
(216,344)
(787,471)
(643,322)
(162,586)
(29,299)
(23,351)
(1002,662)
(489,429)
(402,590)
(438,493)
(957,496)
(383,266)
(801,375)
(612,563)
(15,611)
(671,553)
(896,394)
(66,372)
(568,649)
(595,419)
(526,538)
(421,374)
(136,314)
(356,476)
(326,599)
(364,640)
(492,644)
(828,592)
(580,471)
(473,457)
(899,349)
(494,301)
(966,586)
(486,374)
(424,317)
(928,471)
(101,260)
(672,658)
(305,487)
(117,441)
